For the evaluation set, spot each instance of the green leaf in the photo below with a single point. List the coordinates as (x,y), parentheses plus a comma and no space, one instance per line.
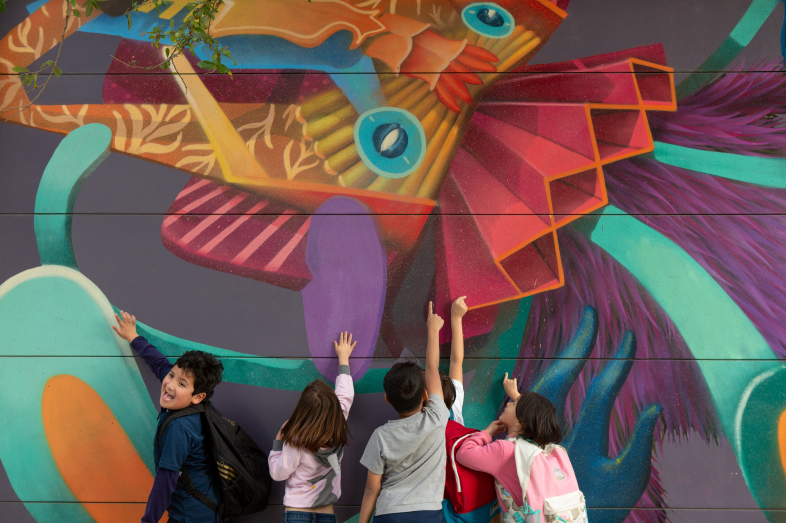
(76,13)
(129,20)
(88,9)
(20,69)
(166,50)
(205,64)
(57,72)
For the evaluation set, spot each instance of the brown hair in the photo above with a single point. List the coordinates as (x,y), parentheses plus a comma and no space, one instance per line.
(448,389)
(318,421)
(538,419)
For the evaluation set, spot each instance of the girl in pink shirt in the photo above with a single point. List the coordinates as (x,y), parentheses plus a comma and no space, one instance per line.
(534,418)
(308,449)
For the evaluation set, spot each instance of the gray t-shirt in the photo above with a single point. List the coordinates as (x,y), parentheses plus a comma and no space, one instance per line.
(410,456)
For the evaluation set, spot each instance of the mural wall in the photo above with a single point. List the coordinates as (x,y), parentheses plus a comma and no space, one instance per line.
(604,181)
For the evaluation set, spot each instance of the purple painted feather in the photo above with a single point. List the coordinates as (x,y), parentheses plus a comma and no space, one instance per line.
(743,253)
(736,113)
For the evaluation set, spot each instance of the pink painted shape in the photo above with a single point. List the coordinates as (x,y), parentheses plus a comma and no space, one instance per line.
(207,222)
(276,263)
(169,220)
(503,220)
(564,124)
(257,242)
(465,265)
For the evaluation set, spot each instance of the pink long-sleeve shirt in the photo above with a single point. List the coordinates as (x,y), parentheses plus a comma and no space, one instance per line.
(498,459)
(310,481)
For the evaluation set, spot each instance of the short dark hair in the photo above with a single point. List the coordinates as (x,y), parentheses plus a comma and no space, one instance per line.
(448,389)
(318,420)
(404,385)
(538,419)
(204,367)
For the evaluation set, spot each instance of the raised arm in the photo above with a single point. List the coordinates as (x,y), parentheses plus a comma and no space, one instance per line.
(433,323)
(511,387)
(457,312)
(126,329)
(345,389)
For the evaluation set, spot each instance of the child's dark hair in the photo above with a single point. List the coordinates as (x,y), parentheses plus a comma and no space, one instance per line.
(404,385)
(204,367)
(318,420)
(538,419)
(448,389)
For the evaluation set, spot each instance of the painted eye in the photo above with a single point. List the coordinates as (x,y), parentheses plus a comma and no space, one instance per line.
(488,19)
(390,141)
(491,17)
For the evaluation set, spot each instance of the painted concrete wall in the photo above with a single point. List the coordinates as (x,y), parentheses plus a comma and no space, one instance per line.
(583,171)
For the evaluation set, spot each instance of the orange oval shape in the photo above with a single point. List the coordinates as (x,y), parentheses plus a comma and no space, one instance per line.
(95,456)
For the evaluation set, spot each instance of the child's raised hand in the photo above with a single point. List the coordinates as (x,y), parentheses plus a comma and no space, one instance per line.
(433,321)
(496,427)
(511,387)
(344,348)
(459,308)
(126,326)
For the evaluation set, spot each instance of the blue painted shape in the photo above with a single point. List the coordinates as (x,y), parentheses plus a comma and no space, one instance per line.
(559,377)
(768,172)
(488,19)
(77,156)
(56,311)
(351,70)
(712,325)
(606,482)
(35,6)
(140,23)
(402,165)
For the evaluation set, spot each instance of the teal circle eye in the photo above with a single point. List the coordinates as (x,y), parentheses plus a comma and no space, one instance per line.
(488,19)
(390,141)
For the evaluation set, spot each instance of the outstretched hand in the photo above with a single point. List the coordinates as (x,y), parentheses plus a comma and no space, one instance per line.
(344,348)
(433,322)
(126,326)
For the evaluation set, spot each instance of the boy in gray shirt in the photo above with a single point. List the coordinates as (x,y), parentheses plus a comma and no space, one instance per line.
(406,457)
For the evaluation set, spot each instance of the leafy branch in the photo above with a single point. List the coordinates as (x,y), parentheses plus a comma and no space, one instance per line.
(193,32)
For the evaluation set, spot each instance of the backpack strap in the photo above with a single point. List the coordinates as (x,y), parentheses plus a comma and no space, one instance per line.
(191,409)
(185,479)
(525,453)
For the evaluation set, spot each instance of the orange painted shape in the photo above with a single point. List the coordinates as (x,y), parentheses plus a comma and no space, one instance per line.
(782,438)
(94,455)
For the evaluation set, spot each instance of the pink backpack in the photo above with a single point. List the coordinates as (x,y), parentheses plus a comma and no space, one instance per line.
(548,485)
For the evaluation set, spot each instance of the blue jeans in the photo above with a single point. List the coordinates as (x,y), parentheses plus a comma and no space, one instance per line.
(295,516)
(420,516)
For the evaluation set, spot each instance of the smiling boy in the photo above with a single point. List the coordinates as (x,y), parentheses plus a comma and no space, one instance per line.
(188,382)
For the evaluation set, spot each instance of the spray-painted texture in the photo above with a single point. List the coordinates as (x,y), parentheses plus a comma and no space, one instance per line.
(604,180)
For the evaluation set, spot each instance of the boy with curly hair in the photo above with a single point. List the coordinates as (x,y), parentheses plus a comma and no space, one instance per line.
(182,447)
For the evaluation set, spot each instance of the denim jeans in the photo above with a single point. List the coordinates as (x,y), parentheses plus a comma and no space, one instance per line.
(295,516)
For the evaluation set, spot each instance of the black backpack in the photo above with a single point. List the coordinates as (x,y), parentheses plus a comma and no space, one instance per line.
(243,473)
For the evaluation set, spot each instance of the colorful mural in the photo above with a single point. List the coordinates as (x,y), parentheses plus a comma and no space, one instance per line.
(616,226)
